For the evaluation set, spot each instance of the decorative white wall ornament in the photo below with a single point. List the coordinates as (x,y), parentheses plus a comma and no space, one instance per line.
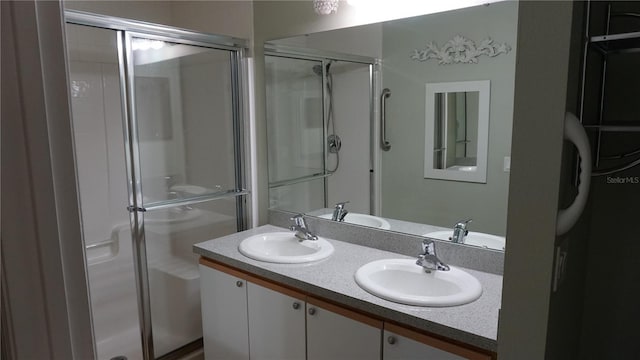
(325,7)
(459,50)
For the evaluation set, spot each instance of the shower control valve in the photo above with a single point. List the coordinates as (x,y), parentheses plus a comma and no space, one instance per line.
(334,143)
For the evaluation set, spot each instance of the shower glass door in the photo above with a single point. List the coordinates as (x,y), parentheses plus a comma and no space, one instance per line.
(96,103)
(158,139)
(185,116)
(296,133)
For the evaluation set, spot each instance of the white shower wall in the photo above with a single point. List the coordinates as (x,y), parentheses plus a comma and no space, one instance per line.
(351,182)
(102,182)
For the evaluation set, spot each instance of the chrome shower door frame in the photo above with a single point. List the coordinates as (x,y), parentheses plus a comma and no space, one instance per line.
(126,31)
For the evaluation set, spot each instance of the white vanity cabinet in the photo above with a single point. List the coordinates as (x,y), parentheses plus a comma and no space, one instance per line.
(336,333)
(245,317)
(224,315)
(243,320)
(276,323)
(403,344)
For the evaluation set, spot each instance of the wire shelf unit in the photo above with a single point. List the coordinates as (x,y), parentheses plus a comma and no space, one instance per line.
(599,49)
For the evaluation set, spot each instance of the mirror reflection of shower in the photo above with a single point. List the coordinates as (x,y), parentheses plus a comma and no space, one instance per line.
(319,116)
(334,143)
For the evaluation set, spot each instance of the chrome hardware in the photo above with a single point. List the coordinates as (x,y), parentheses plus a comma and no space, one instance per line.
(384,143)
(296,305)
(132,208)
(428,259)
(391,340)
(312,311)
(239,283)
(300,227)
(339,212)
(281,183)
(460,231)
(171,180)
(334,143)
(174,195)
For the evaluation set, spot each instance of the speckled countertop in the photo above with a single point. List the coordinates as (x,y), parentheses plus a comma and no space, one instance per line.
(475,323)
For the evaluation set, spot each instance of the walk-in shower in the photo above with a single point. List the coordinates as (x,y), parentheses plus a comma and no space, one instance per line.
(319,125)
(159,155)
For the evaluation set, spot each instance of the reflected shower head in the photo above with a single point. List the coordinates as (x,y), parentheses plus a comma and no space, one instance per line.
(317,69)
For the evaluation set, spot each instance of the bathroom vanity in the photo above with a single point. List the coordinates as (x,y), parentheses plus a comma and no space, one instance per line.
(255,309)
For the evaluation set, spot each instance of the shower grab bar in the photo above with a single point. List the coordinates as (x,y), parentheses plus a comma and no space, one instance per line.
(384,143)
(103,243)
(281,183)
(114,239)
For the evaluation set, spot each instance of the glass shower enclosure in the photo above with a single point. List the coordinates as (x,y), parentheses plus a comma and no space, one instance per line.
(320,126)
(159,151)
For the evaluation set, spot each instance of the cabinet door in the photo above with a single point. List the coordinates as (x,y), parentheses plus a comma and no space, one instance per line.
(398,347)
(276,324)
(224,315)
(339,334)
(404,344)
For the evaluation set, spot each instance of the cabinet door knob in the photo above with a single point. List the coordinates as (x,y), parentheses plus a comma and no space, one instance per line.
(391,340)
(312,311)
(239,283)
(296,305)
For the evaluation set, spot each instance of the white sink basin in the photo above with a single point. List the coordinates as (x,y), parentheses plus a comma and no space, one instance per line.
(473,238)
(284,248)
(402,281)
(363,220)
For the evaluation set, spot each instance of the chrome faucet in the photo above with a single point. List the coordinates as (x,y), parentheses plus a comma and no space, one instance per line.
(460,231)
(428,259)
(339,212)
(300,227)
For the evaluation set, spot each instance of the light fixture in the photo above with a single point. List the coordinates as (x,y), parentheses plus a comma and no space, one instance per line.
(325,7)
(145,44)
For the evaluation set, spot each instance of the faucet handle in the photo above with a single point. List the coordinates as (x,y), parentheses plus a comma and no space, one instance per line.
(462,224)
(428,247)
(341,205)
(428,258)
(299,220)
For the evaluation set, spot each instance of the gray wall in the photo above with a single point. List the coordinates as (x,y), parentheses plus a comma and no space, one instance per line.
(565,303)
(406,194)
(45,301)
(539,110)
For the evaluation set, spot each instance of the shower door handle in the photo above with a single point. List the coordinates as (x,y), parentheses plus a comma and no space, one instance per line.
(384,143)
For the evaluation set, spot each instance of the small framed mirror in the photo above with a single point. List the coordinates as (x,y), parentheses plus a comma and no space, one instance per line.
(457,131)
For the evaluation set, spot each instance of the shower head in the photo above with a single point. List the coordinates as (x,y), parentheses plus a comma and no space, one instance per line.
(317,69)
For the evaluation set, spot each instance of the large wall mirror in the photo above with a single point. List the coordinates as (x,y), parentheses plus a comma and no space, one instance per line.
(447,117)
